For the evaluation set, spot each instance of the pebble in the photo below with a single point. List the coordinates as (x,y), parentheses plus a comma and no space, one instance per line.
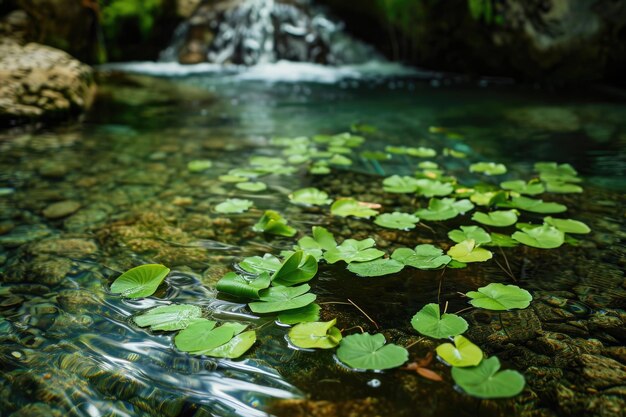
(61,209)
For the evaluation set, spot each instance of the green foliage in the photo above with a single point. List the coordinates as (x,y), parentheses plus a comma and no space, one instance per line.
(199,165)
(168,318)
(400,184)
(523,187)
(429,322)
(376,268)
(542,237)
(310,196)
(460,354)
(496,296)
(308,313)
(352,250)
(397,220)
(444,209)
(467,251)
(533,205)
(233,205)
(476,233)
(488,168)
(320,335)
(282,298)
(484,380)
(257,265)
(351,207)
(225,341)
(241,286)
(251,186)
(274,224)
(500,218)
(422,257)
(140,281)
(366,351)
(144,11)
(568,225)
(296,269)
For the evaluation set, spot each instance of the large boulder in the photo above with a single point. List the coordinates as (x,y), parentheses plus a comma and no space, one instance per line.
(41,83)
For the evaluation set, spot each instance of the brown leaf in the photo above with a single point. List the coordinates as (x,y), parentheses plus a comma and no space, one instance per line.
(428,374)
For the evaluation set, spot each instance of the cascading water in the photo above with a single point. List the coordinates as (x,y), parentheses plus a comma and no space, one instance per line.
(251,32)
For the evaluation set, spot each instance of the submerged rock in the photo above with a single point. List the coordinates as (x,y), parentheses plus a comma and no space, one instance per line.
(61,209)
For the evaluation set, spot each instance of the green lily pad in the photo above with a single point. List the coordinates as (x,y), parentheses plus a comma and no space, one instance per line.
(484,380)
(421,152)
(568,225)
(199,165)
(234,348)
(340,160)
(352,250)
(430,188)
(560,187)
(496,296)
(251,186)
(319,169)
(428,165)
(140,281)
(351,207)
(476,233)
(542,237)
(422,257)
(488,168)
(504,241)
(296,269)
(499,218)
(523,187)
(310,196)
(397,220)
(444,209)
(463,353)
(266,161)
(282,298)
(467,251)
(429,322)
(232,178)
(375,155)
(234,205)
(320,335)
(376,268)
(400,184)
(366,351)
(240,286)
(314,245)
(308,313)
(202,335)
(533,205)
(257,265)
(553,172)
(168,318)
(273,223)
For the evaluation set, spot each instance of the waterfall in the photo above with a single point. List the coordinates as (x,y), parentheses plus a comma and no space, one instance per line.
(251,32)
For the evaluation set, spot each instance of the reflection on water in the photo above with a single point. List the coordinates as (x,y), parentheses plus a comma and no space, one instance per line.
(83,202)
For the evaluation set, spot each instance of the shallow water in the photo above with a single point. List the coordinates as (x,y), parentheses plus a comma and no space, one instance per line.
(69,347)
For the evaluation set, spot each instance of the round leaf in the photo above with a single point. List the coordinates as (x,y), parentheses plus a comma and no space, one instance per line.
(352,250)
(234,348)
(376,267)
(568,225)
(488,168)
(251,186)
(422,257)
(233,205)
(496,296)
(428,322)
(310,196)
(463,353)
(351,207)
(397,220)
(282,298)
(500,218)
(366,351)
(167,318)
(542,237)
(321,335)
(202,335)
(476,233)
(467,251)
(296,269)
(484,380)
(310,312)
(141,281)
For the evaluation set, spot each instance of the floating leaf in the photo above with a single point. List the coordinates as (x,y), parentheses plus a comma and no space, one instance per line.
(428,165)
(352,250)
(310,196)
(568,225)
(319,169)
(430,188)
(199,165)
(467,251)
(309,313)
(273,223)
(429,322)
(496,296)
(465,353)
(266,161)
(321,240)
(234,348)
(234,205)
(422,257)
(476,233)
(202,335)
(375,155)
(257,265)
(251,186)
(351,207)
(296,269)
(239,286)
(504,241)
(542,237)
(397,220)
(484,380)
(563,187)
(282,298)
(523,187)
(499,218)
(551,172)
(533,205)
(321,335)
(376,268)
(444,209)
(232,178)
(140,281)
(167,318)
(400,185)
(488,168)
(421,152)
(366,351)
(340,160)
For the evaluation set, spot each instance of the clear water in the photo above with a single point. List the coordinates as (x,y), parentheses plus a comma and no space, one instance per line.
(69,346)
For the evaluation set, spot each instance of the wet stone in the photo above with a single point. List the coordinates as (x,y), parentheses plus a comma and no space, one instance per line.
(70,247)
(23,234)
(61,209)
(601,372)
